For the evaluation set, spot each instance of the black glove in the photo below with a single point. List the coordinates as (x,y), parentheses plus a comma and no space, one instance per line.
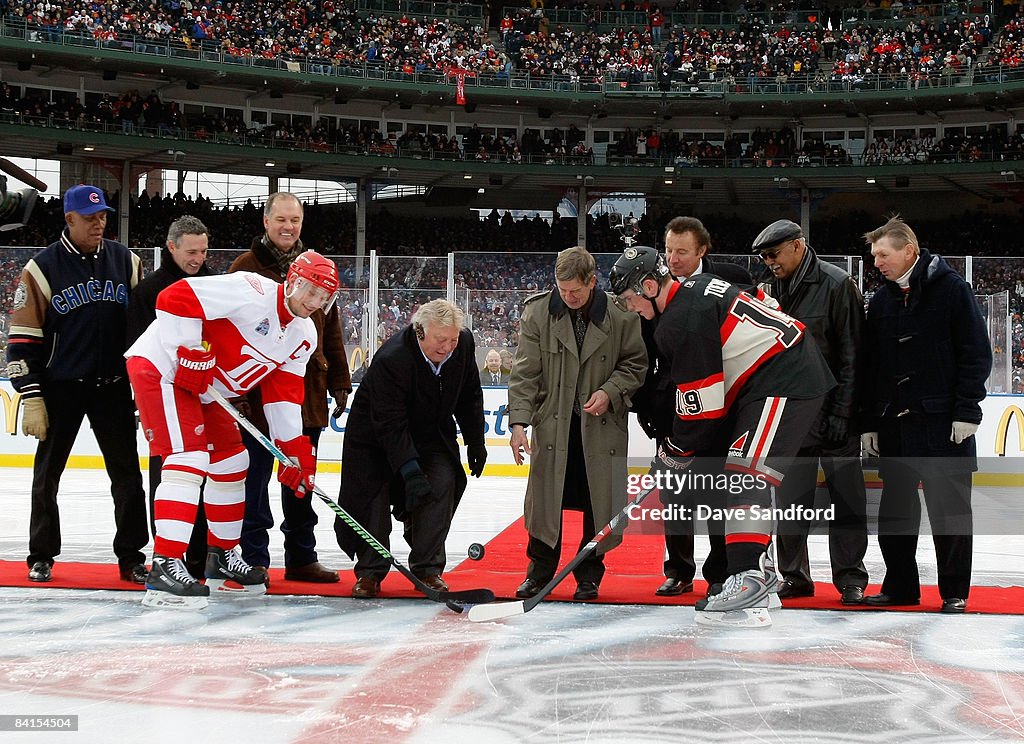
(476,456)
(340,401)
(647,424)
(835,429)
(417,487)
(672,457)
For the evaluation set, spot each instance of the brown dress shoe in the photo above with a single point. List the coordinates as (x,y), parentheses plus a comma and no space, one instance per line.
(435,582)
(314,573)
(366,587)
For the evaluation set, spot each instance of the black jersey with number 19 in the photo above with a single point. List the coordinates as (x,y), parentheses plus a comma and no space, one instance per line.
(721,345)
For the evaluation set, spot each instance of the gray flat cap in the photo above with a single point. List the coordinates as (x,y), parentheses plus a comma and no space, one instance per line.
(775,234)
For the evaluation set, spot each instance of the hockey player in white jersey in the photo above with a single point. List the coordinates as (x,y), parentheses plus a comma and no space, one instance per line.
(234,332)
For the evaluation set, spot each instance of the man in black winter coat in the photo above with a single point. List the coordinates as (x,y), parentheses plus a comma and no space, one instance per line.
(925,358)
(184,256)
(401,450)
(824,298)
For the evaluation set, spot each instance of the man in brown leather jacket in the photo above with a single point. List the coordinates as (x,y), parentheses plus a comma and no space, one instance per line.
(270,255)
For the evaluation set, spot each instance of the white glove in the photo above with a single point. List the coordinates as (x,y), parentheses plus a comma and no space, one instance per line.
(961,431)
(869,441)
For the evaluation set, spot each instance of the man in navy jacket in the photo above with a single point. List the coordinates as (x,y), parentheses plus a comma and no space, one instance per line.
(926,356)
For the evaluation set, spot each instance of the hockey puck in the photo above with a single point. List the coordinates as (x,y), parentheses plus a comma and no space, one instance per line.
(476,551)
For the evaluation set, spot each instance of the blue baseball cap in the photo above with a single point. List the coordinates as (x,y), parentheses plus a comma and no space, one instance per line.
(85,200)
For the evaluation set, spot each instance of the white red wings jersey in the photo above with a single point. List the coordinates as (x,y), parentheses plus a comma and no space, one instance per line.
(720,344)
(243,318)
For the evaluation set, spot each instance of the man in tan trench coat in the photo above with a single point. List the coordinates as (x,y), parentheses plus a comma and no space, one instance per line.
(579,360)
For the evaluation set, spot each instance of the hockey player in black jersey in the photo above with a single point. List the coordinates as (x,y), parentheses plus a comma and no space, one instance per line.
(746,375)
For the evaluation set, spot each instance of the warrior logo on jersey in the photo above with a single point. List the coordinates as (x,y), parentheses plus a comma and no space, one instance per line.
(739,447)
(255,282)
(264,327)
(20,296)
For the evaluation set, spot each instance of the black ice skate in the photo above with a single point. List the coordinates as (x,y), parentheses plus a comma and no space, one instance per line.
(226,571)
(169,584)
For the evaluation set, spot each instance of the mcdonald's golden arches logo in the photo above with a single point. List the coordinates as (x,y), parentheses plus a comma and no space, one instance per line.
(12,402)
(1012,413)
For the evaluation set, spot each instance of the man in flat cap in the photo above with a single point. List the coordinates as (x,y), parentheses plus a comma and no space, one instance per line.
(827,300)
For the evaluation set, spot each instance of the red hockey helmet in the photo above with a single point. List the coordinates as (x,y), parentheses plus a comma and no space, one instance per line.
(312,277)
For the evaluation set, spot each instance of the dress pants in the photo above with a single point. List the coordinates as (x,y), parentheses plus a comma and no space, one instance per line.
(576,496)
(425,527)
(847,533)
(111,415)
(299,516)
(948,497)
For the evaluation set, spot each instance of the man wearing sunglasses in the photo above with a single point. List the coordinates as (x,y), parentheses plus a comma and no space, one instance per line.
(825,298)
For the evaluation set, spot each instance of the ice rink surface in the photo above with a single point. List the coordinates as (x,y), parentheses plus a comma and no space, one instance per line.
(314,669)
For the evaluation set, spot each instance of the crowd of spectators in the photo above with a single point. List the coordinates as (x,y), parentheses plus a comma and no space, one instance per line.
(780,48)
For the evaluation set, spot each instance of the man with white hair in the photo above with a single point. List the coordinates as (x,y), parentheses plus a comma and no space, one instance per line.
(401,449)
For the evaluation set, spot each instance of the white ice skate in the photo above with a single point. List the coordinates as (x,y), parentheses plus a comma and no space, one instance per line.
(227,571)
(170,585)
(742,603)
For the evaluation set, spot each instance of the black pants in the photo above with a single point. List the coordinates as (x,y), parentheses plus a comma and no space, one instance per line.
(847,533)
(948,497)
(195,554)
(576,496)
(679,560)
(425,528)
(299,516)
(111,415)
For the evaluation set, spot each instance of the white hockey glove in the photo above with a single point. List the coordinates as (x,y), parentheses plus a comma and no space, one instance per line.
(869,441)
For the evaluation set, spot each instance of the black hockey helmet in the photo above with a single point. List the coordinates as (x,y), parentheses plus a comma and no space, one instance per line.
(637,262)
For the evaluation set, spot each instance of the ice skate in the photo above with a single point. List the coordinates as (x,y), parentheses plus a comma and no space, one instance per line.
(169,584)
(771,577)
(742,603)
(227,571)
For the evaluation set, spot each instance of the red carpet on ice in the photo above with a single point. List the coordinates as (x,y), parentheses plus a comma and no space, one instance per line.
(634,571)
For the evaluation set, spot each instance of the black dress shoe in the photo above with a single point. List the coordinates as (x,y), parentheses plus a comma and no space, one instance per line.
(674,587)
(954,606)
(529,588)
(884,600)
(852,595)
(40,571)
(134,574)
(585,590)
(789,590)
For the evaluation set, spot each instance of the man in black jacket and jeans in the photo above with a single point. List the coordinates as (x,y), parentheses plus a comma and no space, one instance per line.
(188,240)
(824,297)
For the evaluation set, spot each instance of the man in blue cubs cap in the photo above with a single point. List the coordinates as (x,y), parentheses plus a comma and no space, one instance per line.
(85,200)
(65,356)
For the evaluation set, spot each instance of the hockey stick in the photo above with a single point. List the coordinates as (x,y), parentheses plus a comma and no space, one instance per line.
(454,600)
(483,613)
